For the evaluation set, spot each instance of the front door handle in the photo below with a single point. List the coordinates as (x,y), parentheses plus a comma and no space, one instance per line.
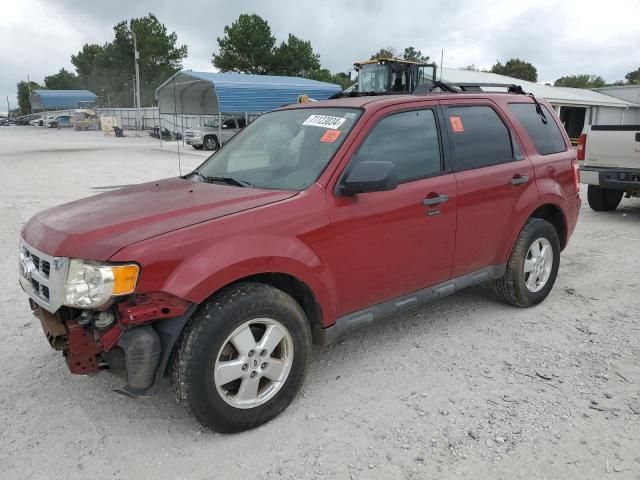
(435,200)
(519,179)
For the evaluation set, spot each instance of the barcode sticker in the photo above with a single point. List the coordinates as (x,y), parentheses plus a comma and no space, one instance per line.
(324,121)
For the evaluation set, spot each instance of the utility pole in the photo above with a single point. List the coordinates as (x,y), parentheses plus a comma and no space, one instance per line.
(8,108)
(137,57)
(29,89)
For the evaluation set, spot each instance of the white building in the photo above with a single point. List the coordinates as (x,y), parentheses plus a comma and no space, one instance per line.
(576,107)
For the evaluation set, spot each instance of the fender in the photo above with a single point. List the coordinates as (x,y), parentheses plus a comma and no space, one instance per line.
(552,198)
(211,266)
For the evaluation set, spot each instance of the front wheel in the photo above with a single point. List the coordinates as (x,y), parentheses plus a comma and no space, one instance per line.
(532,267)
(603,199)
(242,358)
(211,142)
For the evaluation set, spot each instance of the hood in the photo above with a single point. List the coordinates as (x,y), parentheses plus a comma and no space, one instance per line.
(95,228)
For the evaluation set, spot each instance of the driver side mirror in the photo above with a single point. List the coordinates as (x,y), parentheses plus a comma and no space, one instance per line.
(369,176)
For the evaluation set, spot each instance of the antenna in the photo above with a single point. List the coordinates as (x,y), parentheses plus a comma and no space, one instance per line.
(441,62)
(175,122)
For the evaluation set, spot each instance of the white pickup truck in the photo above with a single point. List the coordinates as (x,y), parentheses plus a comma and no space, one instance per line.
(611,164)
(210,136)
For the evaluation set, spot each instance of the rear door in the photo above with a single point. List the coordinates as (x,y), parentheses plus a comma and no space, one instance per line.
(386,244)
(493,178)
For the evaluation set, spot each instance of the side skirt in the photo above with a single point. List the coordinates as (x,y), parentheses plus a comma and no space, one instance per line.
(366,316)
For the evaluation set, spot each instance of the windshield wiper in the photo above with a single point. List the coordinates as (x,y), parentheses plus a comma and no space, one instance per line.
(227,180)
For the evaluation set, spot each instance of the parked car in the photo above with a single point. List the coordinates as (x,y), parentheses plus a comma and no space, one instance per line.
(61,121)
(210,136)
(317,219)
(611,166)
(37,121)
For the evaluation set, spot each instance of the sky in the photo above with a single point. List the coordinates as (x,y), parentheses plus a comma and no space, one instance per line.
(38,37)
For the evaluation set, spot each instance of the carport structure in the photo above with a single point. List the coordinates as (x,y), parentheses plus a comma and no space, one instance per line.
(43,100)
(208,93)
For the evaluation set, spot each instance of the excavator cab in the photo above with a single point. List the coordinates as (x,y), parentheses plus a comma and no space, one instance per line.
(393,75)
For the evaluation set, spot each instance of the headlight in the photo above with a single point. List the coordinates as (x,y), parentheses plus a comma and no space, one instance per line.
(91,284)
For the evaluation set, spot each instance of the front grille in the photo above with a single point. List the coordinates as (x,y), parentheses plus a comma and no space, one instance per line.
(42,276)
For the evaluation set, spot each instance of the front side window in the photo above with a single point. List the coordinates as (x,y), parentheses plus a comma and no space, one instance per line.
(546,137)
(480,137)
(373,77)
(284,150)
(409,140)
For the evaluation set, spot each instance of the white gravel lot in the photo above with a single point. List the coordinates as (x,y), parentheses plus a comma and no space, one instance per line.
(465,386)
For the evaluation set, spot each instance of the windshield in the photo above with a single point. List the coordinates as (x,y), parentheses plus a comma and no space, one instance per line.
(285,149)
(373,78)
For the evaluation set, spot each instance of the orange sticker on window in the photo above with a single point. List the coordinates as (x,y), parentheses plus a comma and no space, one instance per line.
(330,136)
(456,124)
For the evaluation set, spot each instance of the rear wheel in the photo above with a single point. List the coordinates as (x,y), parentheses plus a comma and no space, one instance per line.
(242,358)
(211,142)
(603,199)
(532,267)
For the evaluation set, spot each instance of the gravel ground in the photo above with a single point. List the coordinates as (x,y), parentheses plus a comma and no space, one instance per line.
(465,386)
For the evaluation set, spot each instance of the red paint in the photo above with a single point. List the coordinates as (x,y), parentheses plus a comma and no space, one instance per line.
(192,239)
(143,308)
(81,351)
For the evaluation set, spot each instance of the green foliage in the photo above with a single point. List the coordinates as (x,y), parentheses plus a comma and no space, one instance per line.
(63,80)
(295,58)
(108,70)
(324,75)
(247,47)
(580,81)
(388,52)
(633,77)
(23,95)
(414,55)
(516,68)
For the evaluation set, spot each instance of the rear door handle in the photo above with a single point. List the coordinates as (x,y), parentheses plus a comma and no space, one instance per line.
(519,179)
(435,200)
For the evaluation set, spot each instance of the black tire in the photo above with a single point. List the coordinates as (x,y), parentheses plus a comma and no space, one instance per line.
(197,147)
(193,361)
(603,199)
(511,288)
(211,142)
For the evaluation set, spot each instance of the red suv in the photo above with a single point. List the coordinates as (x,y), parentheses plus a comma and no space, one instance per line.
(316,219)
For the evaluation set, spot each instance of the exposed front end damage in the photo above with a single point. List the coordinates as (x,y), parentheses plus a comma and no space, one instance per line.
(133,337)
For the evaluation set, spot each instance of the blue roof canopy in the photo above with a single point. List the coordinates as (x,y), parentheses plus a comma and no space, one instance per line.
(207,93)
(59,99)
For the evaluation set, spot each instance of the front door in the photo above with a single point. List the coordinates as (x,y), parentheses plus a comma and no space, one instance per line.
(386,244)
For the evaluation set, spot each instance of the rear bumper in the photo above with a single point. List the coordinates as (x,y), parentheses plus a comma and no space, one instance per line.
(613,178)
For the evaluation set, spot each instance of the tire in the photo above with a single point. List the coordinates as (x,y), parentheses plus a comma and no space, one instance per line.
(211,142)
(603,199)
(517,286)
(205,345)
(197,147)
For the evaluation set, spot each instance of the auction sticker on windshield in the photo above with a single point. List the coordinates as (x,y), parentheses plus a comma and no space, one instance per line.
(324,121)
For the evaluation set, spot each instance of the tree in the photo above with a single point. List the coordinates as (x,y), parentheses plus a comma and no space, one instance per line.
(324,75)
(388,52)
(63,80)
(471,68)
(516,68)
(414,55)
(580,81)
(108,69)
(295,58)
(247,46)
(633,77)
(23,95)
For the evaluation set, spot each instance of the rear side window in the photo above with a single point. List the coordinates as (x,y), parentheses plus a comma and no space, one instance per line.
(409,140)
(547,138)
(480,137)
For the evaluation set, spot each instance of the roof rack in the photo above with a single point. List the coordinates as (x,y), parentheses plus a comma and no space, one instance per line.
(460,87)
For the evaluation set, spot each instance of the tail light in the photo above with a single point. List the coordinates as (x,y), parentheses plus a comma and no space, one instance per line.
(576,175)
(582,145)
